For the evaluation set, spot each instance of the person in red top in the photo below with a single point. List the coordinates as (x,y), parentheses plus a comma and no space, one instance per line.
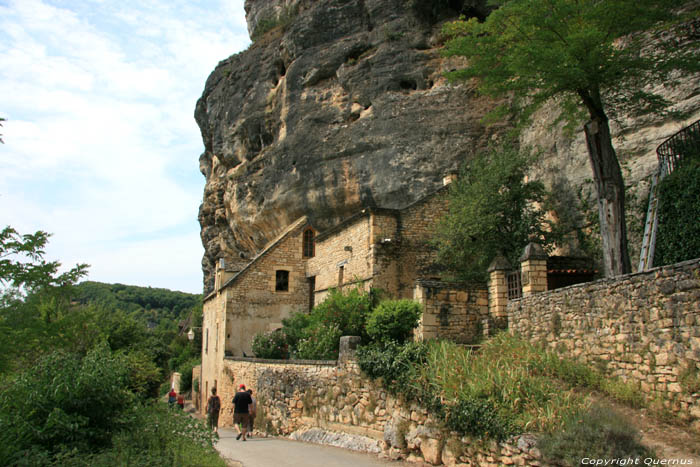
(172,397)
(241,402)
(181,401)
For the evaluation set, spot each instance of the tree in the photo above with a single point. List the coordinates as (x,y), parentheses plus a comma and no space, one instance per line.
(591,55)
(492,210)
(22,263)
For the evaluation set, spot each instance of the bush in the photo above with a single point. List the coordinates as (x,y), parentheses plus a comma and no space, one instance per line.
(321,344)
(295,328)
(185,371)
(159,437)
(397,365)
(393,320)
(678,237)
(64,403)
(347,310)
(270,345)
(598,433)
(479,418)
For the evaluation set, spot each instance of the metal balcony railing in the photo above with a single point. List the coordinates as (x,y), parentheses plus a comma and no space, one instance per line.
(671,153)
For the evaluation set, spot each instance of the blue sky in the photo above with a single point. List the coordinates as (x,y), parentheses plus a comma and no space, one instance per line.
(101,147)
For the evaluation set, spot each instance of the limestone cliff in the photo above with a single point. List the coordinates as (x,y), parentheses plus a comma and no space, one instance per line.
(341,104)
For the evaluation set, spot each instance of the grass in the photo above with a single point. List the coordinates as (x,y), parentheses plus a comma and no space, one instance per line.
(509,386)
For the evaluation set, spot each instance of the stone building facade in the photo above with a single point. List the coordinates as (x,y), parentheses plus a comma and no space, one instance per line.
(388,249)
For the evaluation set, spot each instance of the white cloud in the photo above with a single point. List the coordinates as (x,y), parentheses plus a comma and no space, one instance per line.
(100,98)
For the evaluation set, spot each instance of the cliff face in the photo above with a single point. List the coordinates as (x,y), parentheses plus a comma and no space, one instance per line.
(341,104)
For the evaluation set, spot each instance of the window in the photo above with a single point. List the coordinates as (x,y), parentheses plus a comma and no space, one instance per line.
(309,245)
(341,273)
(281,281)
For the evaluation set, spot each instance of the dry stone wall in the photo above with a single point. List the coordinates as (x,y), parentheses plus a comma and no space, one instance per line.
(643,328)
(452,311)
(335,404)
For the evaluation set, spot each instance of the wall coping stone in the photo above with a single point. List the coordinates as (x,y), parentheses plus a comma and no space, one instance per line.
(283,361)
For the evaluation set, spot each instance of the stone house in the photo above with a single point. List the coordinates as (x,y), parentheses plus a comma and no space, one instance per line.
(383,248)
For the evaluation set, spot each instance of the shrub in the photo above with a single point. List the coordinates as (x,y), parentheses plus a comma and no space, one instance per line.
(270,345)
(397,365)
(479,418)
(64,403)
(678,237)
(393,320)
(159,437)
(295,328)
(347,310)
(596,433)
(185,371)
(321,344)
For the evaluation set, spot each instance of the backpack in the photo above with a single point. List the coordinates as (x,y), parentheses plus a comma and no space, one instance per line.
(214,404)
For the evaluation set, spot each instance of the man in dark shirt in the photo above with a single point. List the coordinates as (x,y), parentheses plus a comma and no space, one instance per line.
(241,401)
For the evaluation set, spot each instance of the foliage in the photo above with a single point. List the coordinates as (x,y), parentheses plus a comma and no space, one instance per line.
(506,387)
(321,344)
(492,210)
(678,236)
(598,432)
(393,320)
(64,402)
(149,304)
(570,50)
(294,328)
(22,263)
(270,345)
(591,57)
(346,309)
(159,437)
(398,365)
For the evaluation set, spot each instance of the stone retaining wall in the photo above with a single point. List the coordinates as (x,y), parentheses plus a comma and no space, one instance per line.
(642,327)
(335,404)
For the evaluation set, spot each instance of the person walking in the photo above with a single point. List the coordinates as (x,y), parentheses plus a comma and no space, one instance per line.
(172,397)
(213,408)
(241,403)
(252,410)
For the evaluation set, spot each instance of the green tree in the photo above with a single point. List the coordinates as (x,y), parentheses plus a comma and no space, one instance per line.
(492,210)
(592,56)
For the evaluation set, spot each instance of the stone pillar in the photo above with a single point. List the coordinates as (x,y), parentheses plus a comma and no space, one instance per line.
(348,347)
(498,287)
(533,269)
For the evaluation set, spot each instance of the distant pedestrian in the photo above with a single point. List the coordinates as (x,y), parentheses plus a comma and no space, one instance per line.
(181,401)
(252,411)
(172,397)
(241,403)
(213,408)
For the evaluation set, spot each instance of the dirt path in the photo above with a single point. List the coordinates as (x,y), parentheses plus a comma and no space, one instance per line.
(669,441)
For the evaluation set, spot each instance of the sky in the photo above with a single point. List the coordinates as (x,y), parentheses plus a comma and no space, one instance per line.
(101,146)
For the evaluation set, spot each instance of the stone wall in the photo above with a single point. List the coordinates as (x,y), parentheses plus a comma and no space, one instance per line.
(335,404)
(643,328)
(348,247)
(452,311)
(417,256)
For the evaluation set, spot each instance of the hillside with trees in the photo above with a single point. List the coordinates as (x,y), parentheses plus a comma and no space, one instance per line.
(80,379)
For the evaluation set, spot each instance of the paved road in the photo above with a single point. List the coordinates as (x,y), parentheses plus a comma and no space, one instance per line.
(280,452)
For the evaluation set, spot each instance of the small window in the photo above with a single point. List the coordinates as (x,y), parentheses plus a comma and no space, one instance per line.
(281,281)
(309,245)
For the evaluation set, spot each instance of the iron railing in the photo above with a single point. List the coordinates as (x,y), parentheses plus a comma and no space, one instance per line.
(671,153)
(515,287)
